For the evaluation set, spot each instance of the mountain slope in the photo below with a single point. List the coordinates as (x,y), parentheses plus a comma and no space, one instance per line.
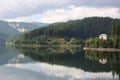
(23,26)
(7,29)
(85,28)
(40,24)
(3,37)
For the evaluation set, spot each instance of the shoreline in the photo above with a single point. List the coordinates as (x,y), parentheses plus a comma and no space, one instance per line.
(101,49)
(39,45)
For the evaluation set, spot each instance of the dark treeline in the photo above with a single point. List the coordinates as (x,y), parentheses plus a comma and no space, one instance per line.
(98,43)
(112,42)
(65,58)
(85,28)
(116,28)
(113,58)
(73,32)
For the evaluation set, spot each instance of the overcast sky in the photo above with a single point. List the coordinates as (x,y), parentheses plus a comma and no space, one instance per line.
(50,11)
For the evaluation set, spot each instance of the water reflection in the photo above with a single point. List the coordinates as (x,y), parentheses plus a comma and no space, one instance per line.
(64,57)
(58,64)
(112,58)
(2,48)
(12,56)
(60,72)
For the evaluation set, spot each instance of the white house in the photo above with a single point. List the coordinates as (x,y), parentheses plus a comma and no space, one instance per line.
(103,61)
(103,36)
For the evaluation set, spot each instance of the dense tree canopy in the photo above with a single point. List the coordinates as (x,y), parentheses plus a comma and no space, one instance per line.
(116,28)
(112,42)
(72,31)
(85,28)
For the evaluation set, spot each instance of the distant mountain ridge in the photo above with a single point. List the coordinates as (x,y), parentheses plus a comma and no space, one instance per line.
(22,26)
(26,27)
(40,24)
(7,29)
(13,28)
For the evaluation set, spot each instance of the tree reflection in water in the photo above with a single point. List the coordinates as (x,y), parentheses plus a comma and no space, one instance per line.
(111,58)
(90,61)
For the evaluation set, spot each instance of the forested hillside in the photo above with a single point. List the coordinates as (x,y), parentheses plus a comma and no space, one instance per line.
(85,28)
(26,27)
(74,31)
(113,41)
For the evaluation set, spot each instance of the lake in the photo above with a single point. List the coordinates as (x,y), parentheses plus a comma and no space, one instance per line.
(46,63)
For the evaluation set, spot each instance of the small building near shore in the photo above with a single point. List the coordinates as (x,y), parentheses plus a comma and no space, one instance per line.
(103,36)
(103,61)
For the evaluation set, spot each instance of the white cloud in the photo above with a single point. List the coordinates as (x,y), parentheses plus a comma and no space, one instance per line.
(72,13)
(19,19)
(21,8)
(62,71)
(69,13)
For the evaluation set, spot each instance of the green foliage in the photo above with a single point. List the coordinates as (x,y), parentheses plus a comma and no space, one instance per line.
(116,28)
(13,39)
(113,58)
(68,57)
(71,31)
(113,42)
(73,40)
(83,29)
(98,43)
(116,33)
(40,39)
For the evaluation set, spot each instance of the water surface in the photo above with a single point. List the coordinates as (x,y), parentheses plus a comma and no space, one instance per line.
(22,63)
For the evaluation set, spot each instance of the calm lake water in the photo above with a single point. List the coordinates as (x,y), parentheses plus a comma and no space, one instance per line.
(21,63)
